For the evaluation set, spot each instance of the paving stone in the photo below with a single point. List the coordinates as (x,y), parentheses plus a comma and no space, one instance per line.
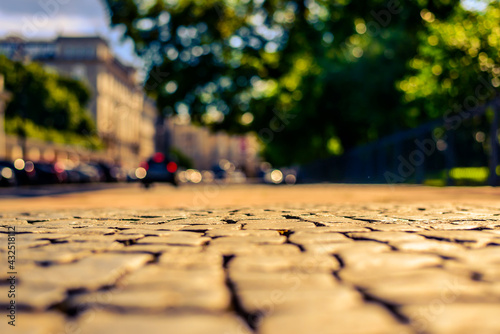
(35,323)
(241,233)
(199,221)
(427,286)
(395,228)
(337,227)
(484,256)
(264,240)
(35,297)
(128,237)
(211,227)
(326,249)
(281,280)
(54,253)
(157,300)
(442,318)
(4,222)
(359,247)
(178,234)
(280,300)
(54,237)
(93,231)
(456,226)
(228,249)
(267,216)
(93,246)
(82,237)
(174,240)
(302,269)
(281,225)
(480,237)
(174,278)
(284,249)
(386,236)
(89,273)
(489,273)
(185,323)
(155,249)
(303,238)
(332,220)
(196,260)
(430,246)
(459,267)
(369,319)
(362,269)
(24,241)
(170,226)
(269,263)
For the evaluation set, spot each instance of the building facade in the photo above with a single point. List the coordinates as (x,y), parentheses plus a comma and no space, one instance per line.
(206,148)
(125,118)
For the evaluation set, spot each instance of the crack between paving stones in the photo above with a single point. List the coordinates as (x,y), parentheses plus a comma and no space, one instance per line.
(367,297)
(464,242)
(72,311)
(288,234)
(361,219)
(368,239)
(393,309)
(304,220)
(250,319)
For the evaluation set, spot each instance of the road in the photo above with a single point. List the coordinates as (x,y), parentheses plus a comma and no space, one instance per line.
(223,195)
(252,259)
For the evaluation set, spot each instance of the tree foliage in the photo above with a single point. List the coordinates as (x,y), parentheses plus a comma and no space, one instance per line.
(457,65)
(46,99)
(312,78)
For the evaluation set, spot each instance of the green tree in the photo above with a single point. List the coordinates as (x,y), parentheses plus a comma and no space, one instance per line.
(457,66)
(312,78)
(45,100)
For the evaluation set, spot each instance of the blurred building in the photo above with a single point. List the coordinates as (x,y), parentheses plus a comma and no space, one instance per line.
(147,130)
(206,149)
(4,97)
(125,118)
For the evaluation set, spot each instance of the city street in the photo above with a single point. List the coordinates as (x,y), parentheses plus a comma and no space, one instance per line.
(199,167)
(252,259)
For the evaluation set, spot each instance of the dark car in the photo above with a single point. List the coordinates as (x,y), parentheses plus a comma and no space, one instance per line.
(45,173)
(109,173)
(158,168)
(219,172)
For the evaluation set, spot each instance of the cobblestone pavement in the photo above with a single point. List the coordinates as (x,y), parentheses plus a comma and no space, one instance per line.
(373,268)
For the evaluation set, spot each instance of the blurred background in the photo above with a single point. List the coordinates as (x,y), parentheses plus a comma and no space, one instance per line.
(278,91)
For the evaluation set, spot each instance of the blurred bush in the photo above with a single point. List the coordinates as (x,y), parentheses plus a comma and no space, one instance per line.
(27,129)
(46,105)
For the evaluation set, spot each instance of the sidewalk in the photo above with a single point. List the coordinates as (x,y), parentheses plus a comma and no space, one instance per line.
(338,268)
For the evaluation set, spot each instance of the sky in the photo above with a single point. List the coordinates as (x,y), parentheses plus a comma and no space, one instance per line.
(46,19)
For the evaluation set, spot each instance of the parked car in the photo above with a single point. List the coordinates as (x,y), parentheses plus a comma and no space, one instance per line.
(46,173)
(88,173)
(219,172)
(110,173)
(158,168)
